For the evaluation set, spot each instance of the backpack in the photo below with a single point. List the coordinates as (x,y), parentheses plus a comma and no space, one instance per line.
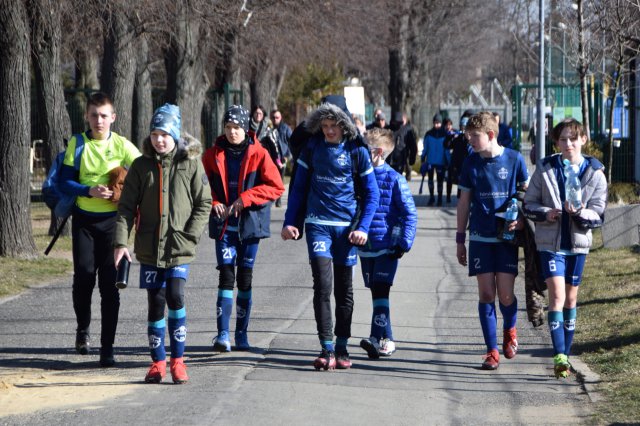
(61,203)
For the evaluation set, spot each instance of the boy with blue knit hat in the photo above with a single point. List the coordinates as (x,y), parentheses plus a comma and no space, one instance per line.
(167,195)
(244,181)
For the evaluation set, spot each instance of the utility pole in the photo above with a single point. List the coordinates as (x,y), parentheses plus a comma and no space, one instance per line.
(540,102)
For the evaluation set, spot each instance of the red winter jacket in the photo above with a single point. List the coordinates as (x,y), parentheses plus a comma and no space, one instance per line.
(259,183)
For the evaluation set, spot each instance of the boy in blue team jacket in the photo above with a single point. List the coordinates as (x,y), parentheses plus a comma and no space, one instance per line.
(391,234)
(334,171)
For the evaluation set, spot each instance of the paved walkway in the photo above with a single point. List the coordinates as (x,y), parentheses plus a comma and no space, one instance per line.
(433,378)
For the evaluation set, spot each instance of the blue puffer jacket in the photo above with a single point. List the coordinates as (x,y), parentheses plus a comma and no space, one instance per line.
(396,208)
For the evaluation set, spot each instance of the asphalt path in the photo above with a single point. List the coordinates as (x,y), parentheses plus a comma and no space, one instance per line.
(433,378)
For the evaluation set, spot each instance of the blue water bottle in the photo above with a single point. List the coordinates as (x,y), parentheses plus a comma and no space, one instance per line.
(510,216)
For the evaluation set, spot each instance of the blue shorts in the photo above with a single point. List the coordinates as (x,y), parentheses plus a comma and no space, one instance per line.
(379,269)
(154,277)
(230,251)
(332,242)
(492,257)
(560,265)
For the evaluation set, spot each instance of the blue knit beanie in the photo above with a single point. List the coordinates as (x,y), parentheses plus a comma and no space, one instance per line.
(236,114)
(167,118)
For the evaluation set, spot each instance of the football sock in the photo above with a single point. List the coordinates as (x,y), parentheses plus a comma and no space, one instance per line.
(569,328)
(556,330)
(380,323)
(224,305)
(509,314)
(155,331)
(243,310)
(487,314)
(177,331)
(341,344)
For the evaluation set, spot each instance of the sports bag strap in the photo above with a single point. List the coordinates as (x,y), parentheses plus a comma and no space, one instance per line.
(79,148)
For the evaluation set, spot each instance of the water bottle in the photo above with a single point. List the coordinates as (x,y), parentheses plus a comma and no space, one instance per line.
(510,216)
(572,189)
(122,278)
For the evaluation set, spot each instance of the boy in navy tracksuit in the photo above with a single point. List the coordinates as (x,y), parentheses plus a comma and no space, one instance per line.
(391,234)
(334,167)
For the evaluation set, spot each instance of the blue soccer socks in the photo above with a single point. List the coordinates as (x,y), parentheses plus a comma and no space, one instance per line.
(569,328)
(224,305)
(509,314)
(177,331)
(488,320)
(380,320)
(556,329)
(243,314)
(155,331)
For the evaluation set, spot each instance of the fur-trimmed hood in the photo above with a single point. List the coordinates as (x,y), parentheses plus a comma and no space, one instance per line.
(187,146)
(331,112)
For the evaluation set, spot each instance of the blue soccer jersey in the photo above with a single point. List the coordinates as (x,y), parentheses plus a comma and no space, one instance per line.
(492,182)
(331,200)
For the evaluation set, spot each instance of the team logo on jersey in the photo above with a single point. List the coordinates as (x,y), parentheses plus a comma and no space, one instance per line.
(342,159)
(570,325)
(554,325)
(180,334)
(154,342)
(380,320)
(240,312)
(503,173)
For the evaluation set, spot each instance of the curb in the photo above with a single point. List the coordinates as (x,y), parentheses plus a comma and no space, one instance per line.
(588,379)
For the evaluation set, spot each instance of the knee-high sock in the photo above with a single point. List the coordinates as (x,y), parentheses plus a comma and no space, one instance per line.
(488,320)
(224,306)
(556,330)
(380,320)
(509,314)
(177,331)
(243,311)
(570,316)
(155,331)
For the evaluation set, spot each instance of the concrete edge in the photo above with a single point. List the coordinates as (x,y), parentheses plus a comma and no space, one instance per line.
(588,379)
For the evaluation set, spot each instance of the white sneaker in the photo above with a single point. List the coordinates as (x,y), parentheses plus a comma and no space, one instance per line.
(372,347)
(387,347)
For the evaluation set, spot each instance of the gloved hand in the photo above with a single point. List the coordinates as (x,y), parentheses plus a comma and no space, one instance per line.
(396,252)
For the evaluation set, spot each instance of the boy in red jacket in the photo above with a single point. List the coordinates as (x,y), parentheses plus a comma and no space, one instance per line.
(244,181)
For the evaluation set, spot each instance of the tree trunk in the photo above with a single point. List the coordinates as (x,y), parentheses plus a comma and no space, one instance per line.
(261,84)
(119,70)
(16,239)
(187,80)
(46,39)
(398,62)
(142,100)
(614,91)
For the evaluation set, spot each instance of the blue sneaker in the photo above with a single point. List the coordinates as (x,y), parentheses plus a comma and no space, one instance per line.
(221,342)
(242,341)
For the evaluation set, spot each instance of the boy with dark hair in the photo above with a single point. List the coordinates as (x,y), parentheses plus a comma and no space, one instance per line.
(563,231)
(94,219)
(334,171)
(490,177)
(166,192)
(391,234)
(244,181)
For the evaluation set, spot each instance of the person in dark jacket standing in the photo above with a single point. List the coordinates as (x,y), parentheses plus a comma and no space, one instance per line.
(406,145)
(433,154)
(167,195)
(459,149)
(244,181)
(282,134)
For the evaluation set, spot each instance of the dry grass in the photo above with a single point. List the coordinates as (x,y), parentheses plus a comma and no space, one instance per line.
(608,330)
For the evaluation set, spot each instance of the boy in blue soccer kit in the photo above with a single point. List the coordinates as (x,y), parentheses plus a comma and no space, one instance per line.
(563,232)
(391,234)
(334,169)
(167,195)
(490,177)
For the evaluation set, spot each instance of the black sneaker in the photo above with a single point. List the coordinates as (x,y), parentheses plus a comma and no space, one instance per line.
(343,362)
(431,202)
(82,342)
(106,357)
(326,360)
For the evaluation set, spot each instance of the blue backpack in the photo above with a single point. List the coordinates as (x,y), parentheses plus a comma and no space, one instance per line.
(61,203)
